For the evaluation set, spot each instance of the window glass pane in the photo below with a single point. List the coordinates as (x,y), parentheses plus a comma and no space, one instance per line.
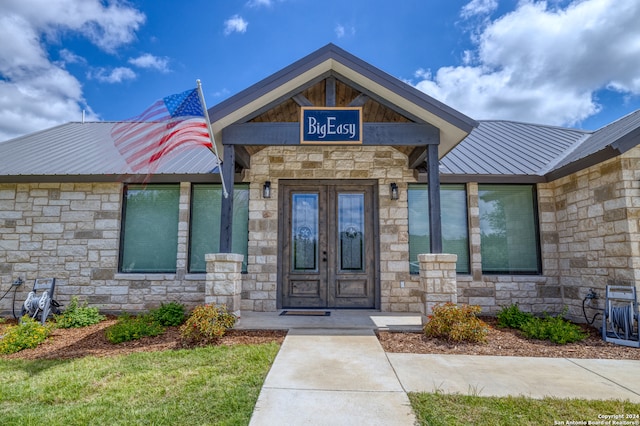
(150,229)
(351,230)
(206,200)
(455,233)
(509,231)
(304,232)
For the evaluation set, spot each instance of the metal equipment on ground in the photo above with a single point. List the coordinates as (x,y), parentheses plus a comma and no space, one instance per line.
(620,322)
(39,303)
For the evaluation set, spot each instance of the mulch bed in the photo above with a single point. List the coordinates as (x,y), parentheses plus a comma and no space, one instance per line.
(91,341)
(508,342)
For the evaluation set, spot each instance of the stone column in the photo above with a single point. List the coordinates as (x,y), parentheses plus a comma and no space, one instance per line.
(438,279)
(223,284)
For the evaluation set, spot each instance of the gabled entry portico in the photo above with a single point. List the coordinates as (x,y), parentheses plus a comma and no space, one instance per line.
(262,138)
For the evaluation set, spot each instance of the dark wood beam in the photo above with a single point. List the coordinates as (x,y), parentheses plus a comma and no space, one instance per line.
(360,100)
(226,207)
(243,158)
(301,100)
(399,134)
(435,213)
(330,92)
(417,157)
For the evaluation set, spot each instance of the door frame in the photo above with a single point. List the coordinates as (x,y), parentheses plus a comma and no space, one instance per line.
(282,234)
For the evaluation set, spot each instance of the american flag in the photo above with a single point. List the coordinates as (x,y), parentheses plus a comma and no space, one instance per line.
(172,124)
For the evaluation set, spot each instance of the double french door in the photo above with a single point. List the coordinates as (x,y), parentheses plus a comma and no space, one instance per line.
(328,246)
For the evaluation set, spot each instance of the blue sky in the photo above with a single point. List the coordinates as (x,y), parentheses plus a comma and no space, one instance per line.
(559,62)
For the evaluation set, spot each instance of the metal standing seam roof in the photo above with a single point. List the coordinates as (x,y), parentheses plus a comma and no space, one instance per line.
(86,149)
(619,136)
(510,148)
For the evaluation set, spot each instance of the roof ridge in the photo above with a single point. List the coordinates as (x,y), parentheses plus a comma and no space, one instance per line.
(37,132)
(577,144)
(548,126)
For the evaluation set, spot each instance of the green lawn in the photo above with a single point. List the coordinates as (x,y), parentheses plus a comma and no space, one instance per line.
(212,385)
(439,409)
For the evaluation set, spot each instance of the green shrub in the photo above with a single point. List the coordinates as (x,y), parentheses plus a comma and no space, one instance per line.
(28,334)
(170,314)
(513,317)
(456,323)
(206,325)
(132,328)
(77,315)
(556,329)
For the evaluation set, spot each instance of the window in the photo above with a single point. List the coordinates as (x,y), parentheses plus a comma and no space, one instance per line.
(206,200)
(455,234)
(509,229)
(149,240)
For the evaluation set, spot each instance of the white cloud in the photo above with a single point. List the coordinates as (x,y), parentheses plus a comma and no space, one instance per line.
(545,64)
(235,24)
(342,31)
(259,3)
(150,61)
(115,75)
(37,92)
(68,57)
(479,7)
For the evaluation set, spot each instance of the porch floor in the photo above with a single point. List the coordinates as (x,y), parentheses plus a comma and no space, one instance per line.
(338,319)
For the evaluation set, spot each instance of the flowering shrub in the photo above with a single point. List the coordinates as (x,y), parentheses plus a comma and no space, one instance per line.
(457,323)
(28,334)
(206,324)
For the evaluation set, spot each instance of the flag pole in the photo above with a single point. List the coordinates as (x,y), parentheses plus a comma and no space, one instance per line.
(213,141)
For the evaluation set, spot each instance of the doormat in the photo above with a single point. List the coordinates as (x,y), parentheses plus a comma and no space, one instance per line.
(306,313)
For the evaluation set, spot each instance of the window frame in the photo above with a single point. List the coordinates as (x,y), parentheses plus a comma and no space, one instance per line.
(536,228)
(123,230)
(242,186)
(467,270)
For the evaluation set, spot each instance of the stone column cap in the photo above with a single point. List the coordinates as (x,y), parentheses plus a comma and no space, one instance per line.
(218,257)
(437,257)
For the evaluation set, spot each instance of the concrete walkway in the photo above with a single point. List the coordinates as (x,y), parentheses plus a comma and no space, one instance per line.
(333,371)
(332,377)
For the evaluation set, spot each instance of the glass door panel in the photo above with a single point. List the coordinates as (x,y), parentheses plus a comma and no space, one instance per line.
(351,232)
(304,232)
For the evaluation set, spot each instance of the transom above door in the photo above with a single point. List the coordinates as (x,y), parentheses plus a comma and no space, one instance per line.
(328,244)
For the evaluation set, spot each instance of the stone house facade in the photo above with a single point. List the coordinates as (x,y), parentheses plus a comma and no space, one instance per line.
(71,225)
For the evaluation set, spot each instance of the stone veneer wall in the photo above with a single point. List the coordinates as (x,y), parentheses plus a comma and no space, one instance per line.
(71,231)
(588,232)
(597,212)
(386,164)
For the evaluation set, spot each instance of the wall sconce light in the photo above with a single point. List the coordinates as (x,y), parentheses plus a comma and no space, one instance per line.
(394,191)
(266,190)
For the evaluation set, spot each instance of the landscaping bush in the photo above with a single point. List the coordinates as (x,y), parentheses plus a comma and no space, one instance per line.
(206,325)
(169,314)
(556,329)
(77,315)
(28,334)
(513,317)
(133,327)
(457,323)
